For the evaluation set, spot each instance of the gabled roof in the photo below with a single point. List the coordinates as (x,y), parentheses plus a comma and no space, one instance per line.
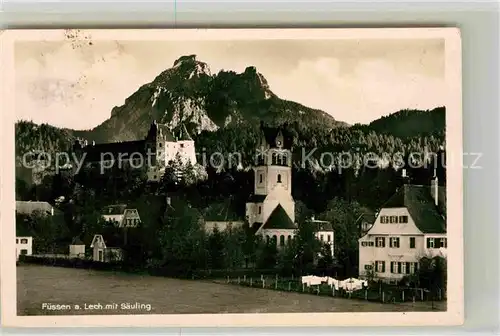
(279,219)
(110,240)
(156,129)
(421,206)
(116,209)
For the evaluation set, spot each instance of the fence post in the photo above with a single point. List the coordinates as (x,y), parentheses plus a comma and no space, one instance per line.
(276,285)
(403,296)
(262,277)
(350,294)
(422,295)
(303,287)
(238,280)
(317,288)
(228,279)
(366,294)
(245,278)
(289,286)
(263,284)
(439,293)
(383,297)
(251,282)
(333,290)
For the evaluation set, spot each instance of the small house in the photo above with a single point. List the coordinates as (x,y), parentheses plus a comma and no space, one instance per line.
(77,248)
(24,246)
(106,249)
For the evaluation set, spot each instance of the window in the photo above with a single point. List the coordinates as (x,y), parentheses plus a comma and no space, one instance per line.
(328,238)
(159,145)
(403,219)
(443,242)
(412,268)
(279,178)
(394,242)
(267,238)
(284,160)
(17,241)
(24,252)
(380,266)
(24,241)
(412,242)
(260,209)
(289,239)
(274,159)
(321,237)
(394,267)
(380,241)
(368,267)
(430,242)
(282,240)
(384,219)
(402,267)
(181,145)
(275,240)
(261,178)
(393,219)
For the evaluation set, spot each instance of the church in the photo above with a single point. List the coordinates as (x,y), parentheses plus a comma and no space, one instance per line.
(270,210)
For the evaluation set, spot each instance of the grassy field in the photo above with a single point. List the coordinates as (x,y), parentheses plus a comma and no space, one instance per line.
(130,294)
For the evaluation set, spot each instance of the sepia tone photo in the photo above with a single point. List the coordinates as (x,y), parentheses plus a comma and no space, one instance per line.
(232,177)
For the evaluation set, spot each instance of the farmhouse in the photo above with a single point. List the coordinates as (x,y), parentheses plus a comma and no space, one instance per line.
(411,225)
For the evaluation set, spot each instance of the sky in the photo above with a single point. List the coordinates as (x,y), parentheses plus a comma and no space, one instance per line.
(75,83)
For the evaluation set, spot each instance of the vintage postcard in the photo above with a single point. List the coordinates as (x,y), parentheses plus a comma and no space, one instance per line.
(250,177)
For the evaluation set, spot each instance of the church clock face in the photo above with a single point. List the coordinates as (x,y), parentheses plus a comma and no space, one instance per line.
(278,143)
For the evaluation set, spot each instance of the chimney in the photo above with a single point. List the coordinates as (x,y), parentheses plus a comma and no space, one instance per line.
(435,188)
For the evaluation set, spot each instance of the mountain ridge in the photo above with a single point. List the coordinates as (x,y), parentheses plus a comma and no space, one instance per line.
(189,93)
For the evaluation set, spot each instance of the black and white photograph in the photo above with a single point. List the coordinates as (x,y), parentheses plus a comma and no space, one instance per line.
(190,176)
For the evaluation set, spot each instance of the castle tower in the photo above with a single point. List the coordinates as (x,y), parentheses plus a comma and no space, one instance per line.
(273,178)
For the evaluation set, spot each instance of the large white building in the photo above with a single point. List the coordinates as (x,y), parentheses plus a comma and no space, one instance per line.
(161,146)
(411,225)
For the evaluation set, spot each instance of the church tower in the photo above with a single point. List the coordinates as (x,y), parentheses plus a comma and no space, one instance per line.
(272,178)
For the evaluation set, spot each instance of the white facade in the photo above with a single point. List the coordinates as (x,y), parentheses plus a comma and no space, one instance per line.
(394,245)
(77,251)
(169,148)
(328,238)
(24,246)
